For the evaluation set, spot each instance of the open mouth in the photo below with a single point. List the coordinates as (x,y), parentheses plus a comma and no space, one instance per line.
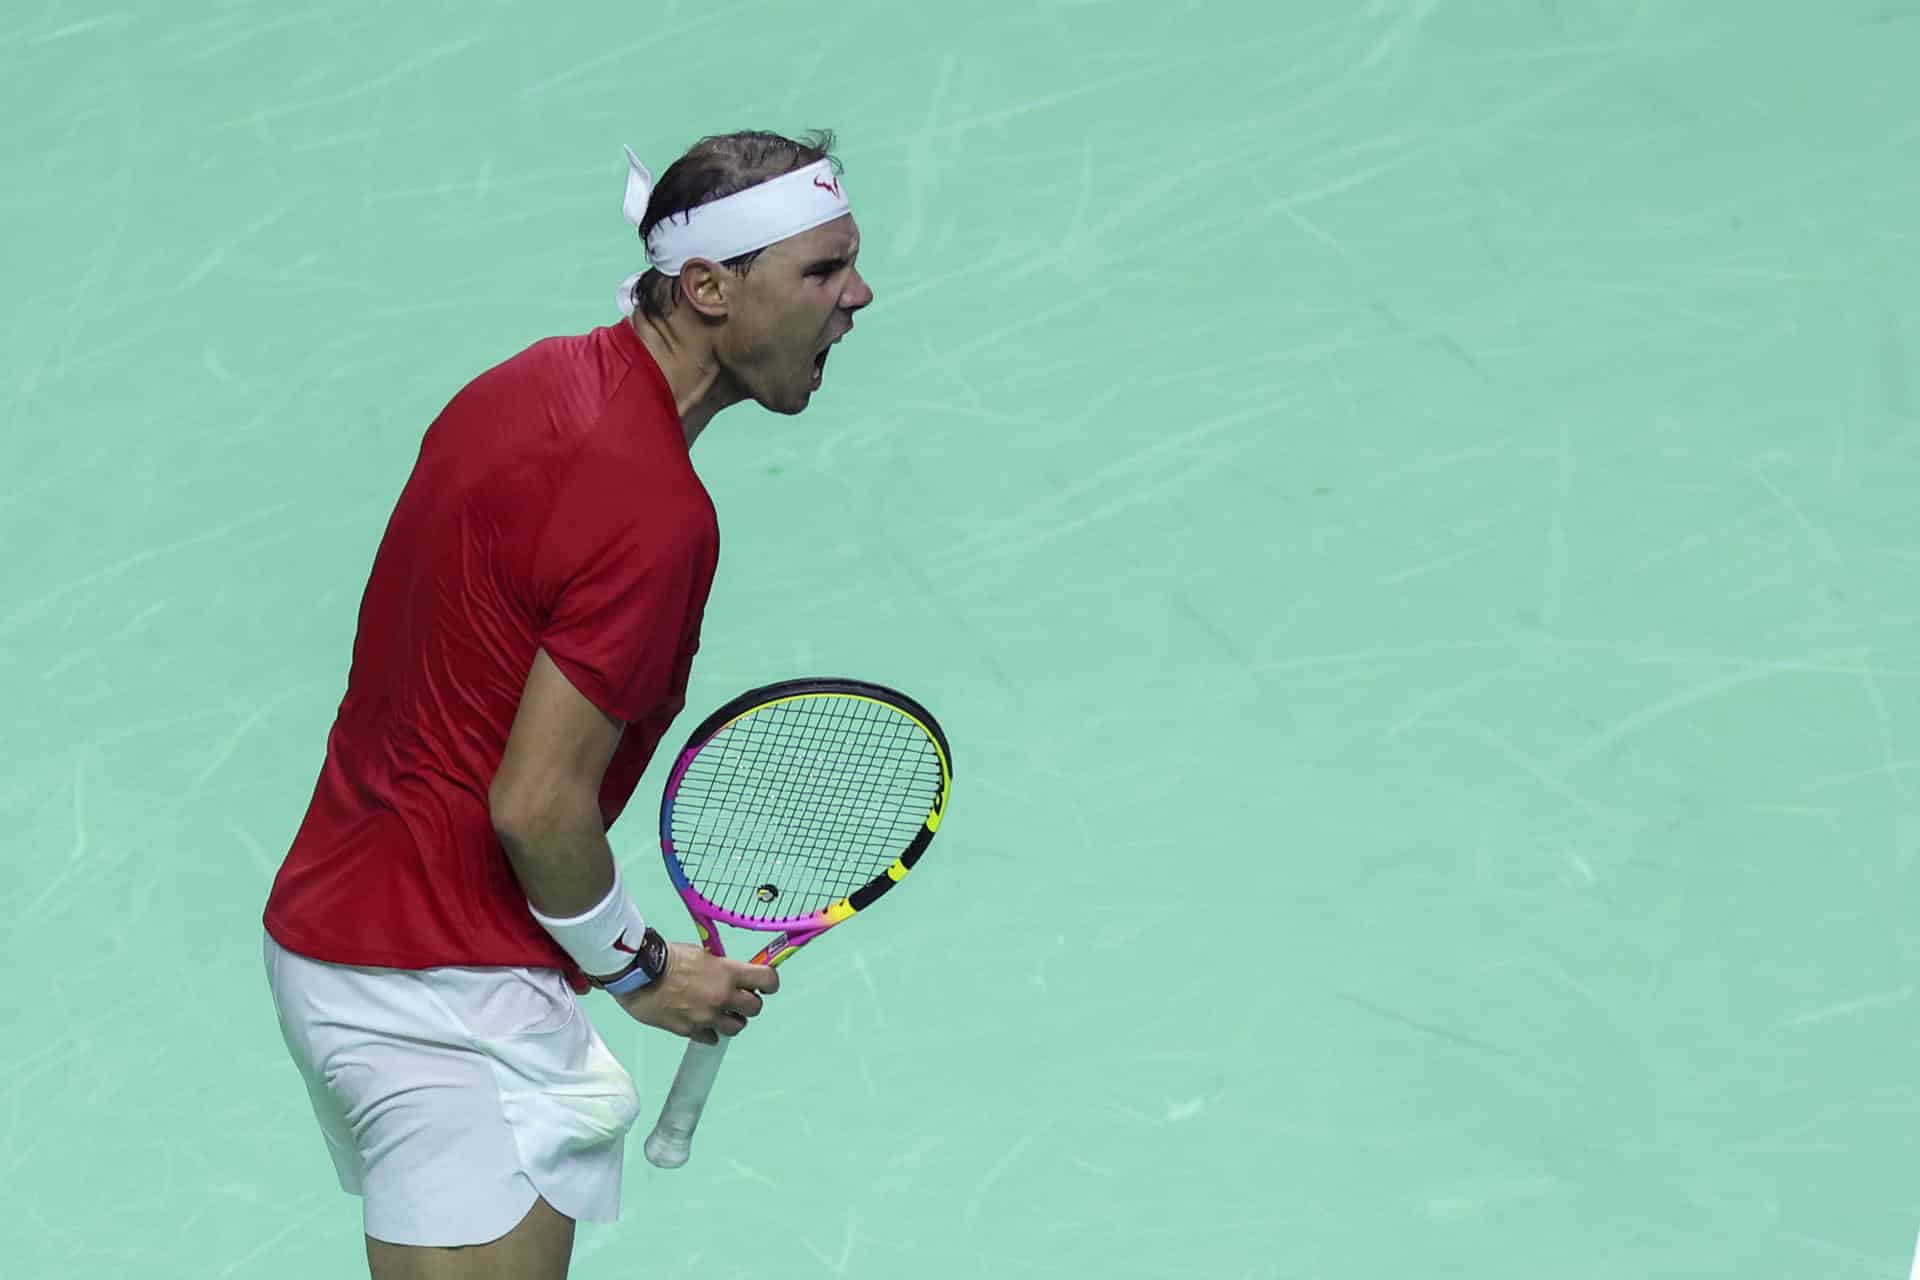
(820,356)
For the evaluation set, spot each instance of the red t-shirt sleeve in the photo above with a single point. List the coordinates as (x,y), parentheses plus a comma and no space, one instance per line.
(623,570)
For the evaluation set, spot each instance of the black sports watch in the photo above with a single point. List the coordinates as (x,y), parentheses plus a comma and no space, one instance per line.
(649,963)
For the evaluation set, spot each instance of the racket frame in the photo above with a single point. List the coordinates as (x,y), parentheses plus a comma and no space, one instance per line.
(792,933)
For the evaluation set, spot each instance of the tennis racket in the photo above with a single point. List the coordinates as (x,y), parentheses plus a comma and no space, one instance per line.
(790,809)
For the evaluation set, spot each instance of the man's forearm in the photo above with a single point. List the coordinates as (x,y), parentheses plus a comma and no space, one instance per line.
(563,859)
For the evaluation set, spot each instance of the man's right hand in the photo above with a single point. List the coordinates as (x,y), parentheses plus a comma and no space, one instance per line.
(701,996)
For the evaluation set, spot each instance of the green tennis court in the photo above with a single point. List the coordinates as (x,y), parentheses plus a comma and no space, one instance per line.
(1406,512)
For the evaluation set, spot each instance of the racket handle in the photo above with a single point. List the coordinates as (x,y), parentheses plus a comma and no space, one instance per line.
(672,1135)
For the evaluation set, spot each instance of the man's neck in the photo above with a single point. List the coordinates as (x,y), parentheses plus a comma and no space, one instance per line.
(693,375)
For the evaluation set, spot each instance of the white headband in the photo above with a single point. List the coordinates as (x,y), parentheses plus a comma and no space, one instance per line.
(732,225)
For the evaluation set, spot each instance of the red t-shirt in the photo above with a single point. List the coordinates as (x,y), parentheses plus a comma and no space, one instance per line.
(553,506)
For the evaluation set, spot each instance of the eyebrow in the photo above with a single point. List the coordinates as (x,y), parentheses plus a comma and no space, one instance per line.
(837,260)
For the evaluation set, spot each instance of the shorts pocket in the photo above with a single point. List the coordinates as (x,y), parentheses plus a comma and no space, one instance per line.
(560,1106)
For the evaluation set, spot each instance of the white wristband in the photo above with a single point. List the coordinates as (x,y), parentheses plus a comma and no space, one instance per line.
(603,940)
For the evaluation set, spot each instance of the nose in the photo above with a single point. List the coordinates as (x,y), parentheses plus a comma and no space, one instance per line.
(858,293)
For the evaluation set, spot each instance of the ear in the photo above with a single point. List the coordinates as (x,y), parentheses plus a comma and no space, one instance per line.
(706,287)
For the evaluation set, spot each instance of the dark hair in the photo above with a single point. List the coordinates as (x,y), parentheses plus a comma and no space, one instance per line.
(721,165)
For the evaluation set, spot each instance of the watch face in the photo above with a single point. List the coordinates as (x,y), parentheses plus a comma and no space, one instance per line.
(653,954)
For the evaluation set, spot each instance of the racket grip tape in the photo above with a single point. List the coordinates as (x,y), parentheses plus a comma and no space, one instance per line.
(672,1137)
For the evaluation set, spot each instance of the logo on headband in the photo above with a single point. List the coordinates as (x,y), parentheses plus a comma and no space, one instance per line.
(828,184)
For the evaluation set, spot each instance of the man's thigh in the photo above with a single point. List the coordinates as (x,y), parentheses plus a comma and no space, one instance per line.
(537,1249)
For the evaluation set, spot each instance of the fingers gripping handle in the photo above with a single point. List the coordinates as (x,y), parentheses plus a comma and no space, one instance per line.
(672,1135)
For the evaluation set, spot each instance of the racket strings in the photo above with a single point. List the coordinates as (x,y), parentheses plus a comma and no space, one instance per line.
(800,803)
(818,830)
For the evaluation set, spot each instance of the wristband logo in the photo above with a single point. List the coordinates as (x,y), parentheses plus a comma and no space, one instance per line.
(620,944)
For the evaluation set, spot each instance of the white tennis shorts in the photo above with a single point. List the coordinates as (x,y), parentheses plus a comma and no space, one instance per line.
(449,1098)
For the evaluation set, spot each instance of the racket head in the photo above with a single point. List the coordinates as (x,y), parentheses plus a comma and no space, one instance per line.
(798,804)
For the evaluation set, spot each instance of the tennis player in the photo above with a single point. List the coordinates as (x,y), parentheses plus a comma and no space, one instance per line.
(524,642)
